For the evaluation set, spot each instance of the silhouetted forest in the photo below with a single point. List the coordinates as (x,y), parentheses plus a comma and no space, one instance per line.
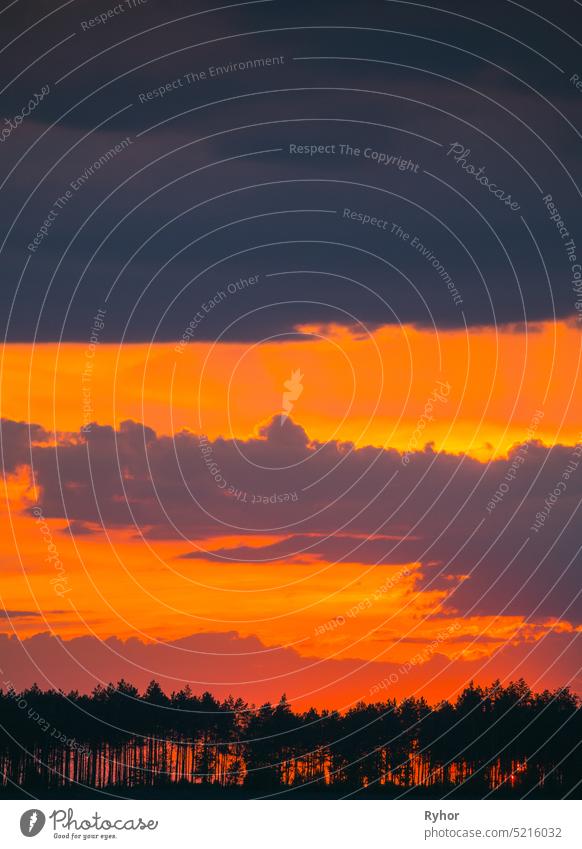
(503,741)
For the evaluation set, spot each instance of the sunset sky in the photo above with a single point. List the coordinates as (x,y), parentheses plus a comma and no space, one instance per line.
(163,516)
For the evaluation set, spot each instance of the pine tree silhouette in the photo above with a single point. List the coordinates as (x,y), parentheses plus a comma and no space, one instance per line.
(499,740)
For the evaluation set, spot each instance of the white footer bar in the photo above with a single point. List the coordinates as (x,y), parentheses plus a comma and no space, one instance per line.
(240,824)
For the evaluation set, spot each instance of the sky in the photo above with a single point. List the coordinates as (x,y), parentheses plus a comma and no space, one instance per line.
(290,387)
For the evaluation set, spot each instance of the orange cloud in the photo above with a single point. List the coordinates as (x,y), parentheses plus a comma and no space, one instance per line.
(370,390)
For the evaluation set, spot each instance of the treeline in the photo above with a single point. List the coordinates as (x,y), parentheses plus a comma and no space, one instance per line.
(495,740)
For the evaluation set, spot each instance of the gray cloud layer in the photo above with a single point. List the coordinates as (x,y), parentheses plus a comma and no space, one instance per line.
(324,500)
(226,663)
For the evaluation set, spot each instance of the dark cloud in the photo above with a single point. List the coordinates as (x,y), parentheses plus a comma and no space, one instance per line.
(27,614)
(455,515)
(18,614)
(306,548)
(227,663)
(78,529)
(16,441)
(210,193)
